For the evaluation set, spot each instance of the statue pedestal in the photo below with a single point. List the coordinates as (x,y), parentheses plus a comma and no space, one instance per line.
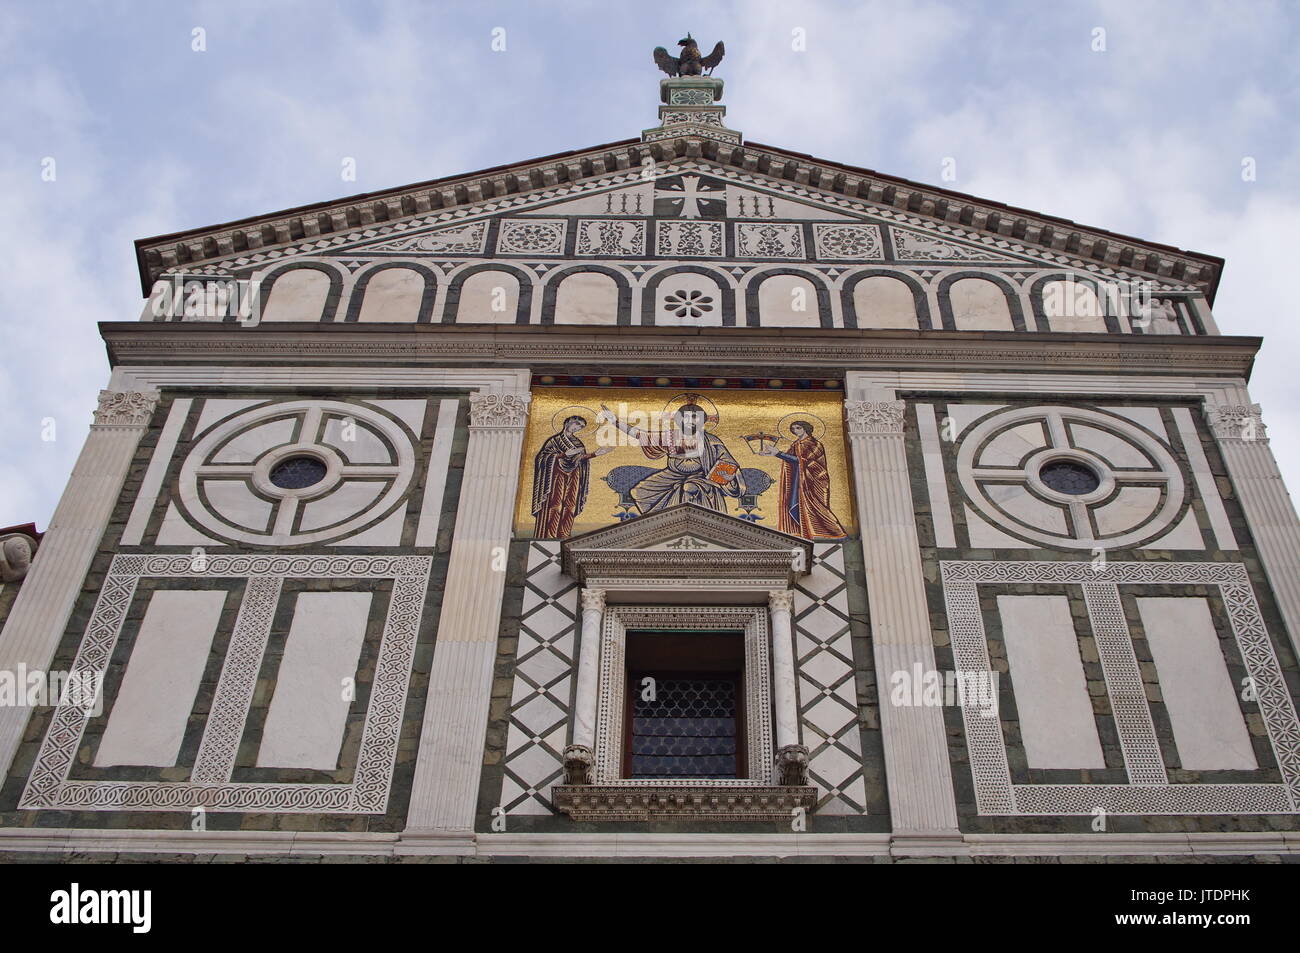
(692,109)
(690,90)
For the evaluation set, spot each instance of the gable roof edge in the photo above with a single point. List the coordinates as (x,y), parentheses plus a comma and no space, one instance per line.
(161,253)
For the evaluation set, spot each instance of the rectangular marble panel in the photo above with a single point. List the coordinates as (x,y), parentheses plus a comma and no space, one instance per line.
(935,481)
(1209,730)
(1056,719)
(147,722)
(304,727)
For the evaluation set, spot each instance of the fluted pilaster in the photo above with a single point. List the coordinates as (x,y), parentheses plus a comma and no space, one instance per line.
(1243,441)
(45,601)
(918,772)
(450,758)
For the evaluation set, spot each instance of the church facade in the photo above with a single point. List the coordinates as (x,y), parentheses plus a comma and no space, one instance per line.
(677,497)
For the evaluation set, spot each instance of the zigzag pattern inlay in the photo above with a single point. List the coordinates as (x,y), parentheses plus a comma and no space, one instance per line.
(540,695)
(828,701)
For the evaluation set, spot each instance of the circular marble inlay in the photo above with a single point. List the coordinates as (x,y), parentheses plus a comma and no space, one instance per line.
(1070,477)
(297,471)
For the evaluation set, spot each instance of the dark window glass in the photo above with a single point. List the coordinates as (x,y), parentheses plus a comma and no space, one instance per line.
(296,473)
(687,731)
(1066,476)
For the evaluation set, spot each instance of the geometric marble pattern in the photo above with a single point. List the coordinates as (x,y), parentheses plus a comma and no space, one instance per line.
(228,480)
(850,242)
(1149,790)
(539,699)
(1006,461)
(211,785)
(540,708)
(828,702)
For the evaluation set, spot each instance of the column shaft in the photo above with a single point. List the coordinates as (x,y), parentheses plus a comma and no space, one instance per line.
(780,603)
(584,713)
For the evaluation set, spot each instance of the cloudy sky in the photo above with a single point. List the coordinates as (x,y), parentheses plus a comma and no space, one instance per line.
(148,135)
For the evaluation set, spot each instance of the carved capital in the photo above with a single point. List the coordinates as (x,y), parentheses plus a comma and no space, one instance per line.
(792,765)
(578,762)
(593,599)
(499,409)
(1237,422)
(780,600)
(874,416)
(125,408)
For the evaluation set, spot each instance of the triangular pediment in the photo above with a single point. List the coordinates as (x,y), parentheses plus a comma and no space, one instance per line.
(686,539)
(686,527)
(699,211)
(755,203)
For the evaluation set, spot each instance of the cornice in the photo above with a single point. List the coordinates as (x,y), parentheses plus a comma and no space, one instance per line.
(641,802)
(822,179)
(760,351)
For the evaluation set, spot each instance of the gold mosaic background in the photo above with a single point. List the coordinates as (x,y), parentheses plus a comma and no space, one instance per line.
(740,413)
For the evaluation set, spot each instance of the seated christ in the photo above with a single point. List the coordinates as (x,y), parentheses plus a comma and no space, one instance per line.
(698,466)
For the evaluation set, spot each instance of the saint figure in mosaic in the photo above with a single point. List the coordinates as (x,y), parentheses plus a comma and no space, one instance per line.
(561,478)
(805,483)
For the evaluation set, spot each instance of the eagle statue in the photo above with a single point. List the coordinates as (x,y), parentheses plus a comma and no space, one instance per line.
(690,63)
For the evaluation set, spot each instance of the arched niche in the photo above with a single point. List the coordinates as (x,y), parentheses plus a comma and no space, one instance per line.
(1069,303)
(977,302)
(691,298)
(587,295)
(490,296)
(788,299)
(881,300)
(394,294)
(484,295)
(301,292)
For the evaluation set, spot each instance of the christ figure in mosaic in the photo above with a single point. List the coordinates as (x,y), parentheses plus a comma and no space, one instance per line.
(561,478)
(698,467)
(805,487)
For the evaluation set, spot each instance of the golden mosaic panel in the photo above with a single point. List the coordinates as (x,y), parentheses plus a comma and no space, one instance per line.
(777,459)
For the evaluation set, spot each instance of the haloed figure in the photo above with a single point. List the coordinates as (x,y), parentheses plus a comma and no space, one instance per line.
(806,487)
(698,467)
(561,477)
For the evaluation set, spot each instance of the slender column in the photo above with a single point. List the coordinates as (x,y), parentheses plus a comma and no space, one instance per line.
(449,762)
(584,716)
(580,754)
(780,602)
(1269,511)
(918,772)
(44,603)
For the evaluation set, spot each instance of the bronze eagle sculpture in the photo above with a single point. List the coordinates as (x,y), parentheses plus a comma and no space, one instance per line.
(690,63)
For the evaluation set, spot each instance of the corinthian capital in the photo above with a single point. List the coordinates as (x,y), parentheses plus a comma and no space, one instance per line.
(874,416)
(780,600)
(119,408)
(593,599)
(499,409)
(1237,422)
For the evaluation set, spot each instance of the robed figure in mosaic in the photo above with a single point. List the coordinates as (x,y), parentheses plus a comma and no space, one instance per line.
(805,486)
(698,467)
(561,478)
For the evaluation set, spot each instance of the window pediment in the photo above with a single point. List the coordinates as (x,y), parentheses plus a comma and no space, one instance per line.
(687,542)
